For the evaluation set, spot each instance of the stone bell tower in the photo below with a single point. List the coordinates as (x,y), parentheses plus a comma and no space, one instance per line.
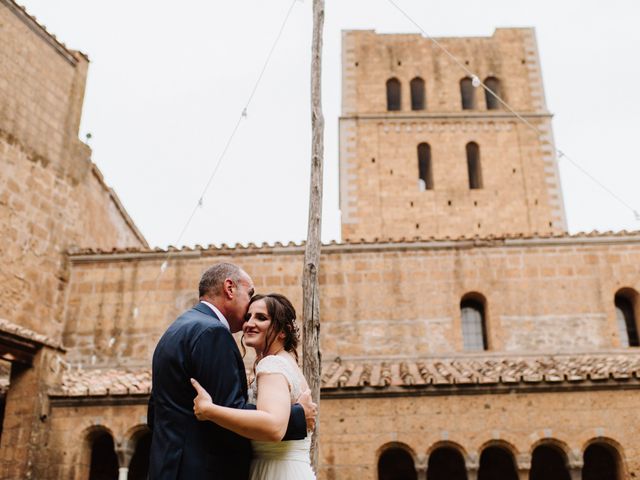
(425,153)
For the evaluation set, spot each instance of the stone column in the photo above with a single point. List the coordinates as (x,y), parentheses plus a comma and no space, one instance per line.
(124,452)
(523,462)
(473,465)
(575,464)
(422,462)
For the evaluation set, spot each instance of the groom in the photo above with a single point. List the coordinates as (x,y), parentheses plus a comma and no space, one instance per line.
(199,345)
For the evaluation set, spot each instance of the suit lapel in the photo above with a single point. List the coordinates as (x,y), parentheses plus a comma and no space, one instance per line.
(202,308)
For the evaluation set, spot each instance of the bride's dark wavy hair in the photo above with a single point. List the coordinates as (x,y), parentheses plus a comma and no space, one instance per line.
(283,319)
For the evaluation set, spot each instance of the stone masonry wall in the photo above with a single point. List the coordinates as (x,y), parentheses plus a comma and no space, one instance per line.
(51,196)
(355,431)
(380,195)
(544,295)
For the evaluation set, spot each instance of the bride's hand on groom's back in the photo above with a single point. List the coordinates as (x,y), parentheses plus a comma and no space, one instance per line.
(310,408)
(202,402)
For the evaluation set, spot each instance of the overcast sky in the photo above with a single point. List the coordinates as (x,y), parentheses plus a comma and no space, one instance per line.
(168,80)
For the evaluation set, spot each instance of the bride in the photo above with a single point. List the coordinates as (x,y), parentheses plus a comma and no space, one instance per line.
(271,330)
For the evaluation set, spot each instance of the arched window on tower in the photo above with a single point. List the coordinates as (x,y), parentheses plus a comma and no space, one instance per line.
(396,463)
(493,84)
(425,174)
(473,165)
(497,463)
(467,94)
(417,94)
(104,462)
(625,301)
(393,94)
(548,463)
(446,463)
(474,329)
(601,462)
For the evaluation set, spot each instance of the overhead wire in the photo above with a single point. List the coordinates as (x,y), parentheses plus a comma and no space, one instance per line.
(477,82)
(243,115)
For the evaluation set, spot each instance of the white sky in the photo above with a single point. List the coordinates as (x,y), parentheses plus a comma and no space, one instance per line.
(168,80)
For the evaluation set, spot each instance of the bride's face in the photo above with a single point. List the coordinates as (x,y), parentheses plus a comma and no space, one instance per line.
(256,326)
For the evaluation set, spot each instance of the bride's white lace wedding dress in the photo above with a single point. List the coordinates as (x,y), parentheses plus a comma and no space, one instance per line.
(287,460)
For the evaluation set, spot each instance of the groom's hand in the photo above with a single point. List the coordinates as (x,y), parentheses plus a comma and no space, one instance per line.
(310,408)
(202,401)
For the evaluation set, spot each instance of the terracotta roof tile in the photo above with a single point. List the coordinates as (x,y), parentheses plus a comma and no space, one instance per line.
(381,375)
(97,382)
(487,240)
(24,333)
(466,370)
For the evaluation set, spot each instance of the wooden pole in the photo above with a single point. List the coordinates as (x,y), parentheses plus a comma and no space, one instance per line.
(311,301)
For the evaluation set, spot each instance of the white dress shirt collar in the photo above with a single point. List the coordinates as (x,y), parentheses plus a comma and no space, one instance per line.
(218,313)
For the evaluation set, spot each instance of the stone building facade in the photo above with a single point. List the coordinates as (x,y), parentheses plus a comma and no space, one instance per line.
(464,334)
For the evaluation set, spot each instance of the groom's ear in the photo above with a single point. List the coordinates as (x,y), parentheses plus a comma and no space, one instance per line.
(228,288)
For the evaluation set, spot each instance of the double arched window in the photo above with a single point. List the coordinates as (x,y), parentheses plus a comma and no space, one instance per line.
(394,94)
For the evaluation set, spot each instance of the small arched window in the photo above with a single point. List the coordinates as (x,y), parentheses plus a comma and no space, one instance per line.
(425,175)
(473,165)
(417,94)
(497,462)
(548,463)
(393,94)
(493,84)
(474,329)
(601,461)
(396,464)
(446,463)
(626,319)
(467,94)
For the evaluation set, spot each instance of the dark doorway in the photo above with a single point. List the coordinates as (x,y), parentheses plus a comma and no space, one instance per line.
(548,463)
(104,462)
(600,463)
(497,463)
(446,464)
(396,464)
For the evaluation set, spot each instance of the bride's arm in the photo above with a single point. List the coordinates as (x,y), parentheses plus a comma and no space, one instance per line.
(267,423)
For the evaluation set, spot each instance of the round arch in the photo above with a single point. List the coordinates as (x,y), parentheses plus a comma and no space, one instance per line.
(396,461)
(612,447)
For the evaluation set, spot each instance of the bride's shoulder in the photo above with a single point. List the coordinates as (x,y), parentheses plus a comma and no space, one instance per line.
(273,364)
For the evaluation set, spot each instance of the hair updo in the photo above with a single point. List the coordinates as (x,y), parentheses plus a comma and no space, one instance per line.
(283,320)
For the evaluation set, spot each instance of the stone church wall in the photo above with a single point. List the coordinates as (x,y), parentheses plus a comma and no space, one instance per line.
(546,295)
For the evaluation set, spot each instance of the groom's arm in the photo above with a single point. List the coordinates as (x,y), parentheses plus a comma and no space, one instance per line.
(217,371)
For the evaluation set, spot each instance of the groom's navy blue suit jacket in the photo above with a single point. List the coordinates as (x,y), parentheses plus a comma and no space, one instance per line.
(197,345)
